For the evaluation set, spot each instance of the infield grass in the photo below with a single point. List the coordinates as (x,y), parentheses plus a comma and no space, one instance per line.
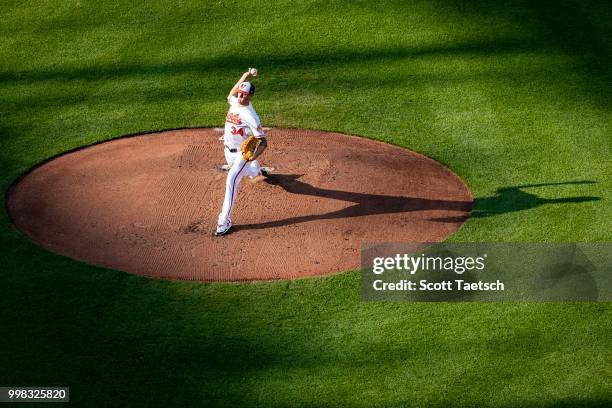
(506,95)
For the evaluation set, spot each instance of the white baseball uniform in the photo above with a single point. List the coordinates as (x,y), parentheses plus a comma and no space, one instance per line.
(240,123)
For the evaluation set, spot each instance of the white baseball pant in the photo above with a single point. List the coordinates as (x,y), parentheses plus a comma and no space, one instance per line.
(238,169)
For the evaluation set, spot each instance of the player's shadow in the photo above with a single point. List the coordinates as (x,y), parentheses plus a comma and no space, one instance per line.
(514,198)
(364,204)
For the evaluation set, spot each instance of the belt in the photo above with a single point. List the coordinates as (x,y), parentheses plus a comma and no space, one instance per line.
(231,150)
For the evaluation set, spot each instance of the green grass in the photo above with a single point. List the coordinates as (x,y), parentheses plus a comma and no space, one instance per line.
(504,94)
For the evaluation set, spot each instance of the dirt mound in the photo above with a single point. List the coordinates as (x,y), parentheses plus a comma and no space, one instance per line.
(148,205)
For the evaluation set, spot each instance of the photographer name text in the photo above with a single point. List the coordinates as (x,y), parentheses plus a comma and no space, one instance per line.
(447,285)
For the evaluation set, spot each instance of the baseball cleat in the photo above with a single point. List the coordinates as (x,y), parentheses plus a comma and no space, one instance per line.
(222,230)
(265,171)
(225,167)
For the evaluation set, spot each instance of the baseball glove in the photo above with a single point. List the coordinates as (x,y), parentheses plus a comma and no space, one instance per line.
(248,148)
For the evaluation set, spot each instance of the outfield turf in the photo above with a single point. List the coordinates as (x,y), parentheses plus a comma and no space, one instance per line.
(504,95)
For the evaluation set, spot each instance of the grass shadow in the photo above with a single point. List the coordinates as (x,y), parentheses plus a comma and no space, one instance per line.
(514,198)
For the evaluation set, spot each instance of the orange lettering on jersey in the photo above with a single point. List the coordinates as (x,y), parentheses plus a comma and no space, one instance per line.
(233,118)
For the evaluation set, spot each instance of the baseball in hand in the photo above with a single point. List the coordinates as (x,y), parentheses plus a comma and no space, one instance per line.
(253,71)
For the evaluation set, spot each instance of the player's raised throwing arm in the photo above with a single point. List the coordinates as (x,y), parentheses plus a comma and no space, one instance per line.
(243,78)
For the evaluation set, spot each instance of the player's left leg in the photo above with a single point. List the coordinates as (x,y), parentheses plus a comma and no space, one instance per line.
(232,185)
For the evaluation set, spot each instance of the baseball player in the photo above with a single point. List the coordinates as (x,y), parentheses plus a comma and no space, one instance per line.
(240,123)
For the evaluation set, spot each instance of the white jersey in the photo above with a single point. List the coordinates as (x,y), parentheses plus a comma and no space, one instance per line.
(240,123)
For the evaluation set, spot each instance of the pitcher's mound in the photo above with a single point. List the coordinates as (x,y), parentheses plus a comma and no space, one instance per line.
(148,205)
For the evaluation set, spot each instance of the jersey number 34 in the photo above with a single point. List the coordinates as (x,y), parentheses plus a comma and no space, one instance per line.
(239,131)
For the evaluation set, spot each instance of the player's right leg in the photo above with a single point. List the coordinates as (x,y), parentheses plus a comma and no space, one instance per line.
(252,169)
